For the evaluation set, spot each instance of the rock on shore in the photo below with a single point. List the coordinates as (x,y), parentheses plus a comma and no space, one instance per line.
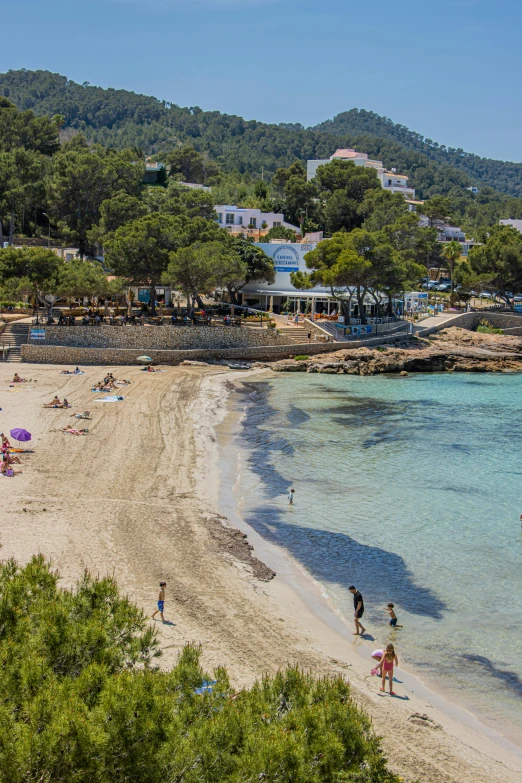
(452,350)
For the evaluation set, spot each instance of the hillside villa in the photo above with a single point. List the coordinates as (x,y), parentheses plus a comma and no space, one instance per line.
(390,180)
(250,222)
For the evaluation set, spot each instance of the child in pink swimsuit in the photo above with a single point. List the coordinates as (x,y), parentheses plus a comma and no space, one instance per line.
(388,661)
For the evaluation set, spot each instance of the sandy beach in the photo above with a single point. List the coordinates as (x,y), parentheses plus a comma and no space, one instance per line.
(139,498)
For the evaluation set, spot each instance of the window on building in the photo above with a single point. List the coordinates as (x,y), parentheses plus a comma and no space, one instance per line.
(240,220)
(389,183)
(220,217)
(276,223)
(229,219)
(253,222)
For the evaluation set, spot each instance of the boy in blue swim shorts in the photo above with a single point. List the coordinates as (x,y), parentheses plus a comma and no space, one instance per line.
(161,602)
(393,617)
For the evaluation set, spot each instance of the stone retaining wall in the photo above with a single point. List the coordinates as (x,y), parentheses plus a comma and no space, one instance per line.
(472,320)
(159,338)
(58,354)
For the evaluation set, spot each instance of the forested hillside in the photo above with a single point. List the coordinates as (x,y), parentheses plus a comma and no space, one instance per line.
(122,119)
(501,175)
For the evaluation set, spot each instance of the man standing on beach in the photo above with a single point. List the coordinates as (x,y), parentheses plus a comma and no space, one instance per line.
(358,605)
(161,602)
(291,497)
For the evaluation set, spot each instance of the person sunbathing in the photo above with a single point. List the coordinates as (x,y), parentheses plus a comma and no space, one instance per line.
(5,442)
(17,379)
(55,403)
(12,458)
(73,431)
(6,469)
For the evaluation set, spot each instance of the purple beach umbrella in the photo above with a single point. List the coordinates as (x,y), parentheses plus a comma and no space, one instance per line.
(20,435)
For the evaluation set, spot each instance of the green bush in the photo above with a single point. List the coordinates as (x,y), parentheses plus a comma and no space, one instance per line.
(80,702)
(485,327)
(301,358)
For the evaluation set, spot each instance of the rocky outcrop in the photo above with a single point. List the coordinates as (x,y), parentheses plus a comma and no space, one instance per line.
(453,350)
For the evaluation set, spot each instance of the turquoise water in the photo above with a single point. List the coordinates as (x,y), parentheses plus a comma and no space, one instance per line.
(409,488)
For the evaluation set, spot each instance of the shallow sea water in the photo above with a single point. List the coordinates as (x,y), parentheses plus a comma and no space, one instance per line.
(411,489)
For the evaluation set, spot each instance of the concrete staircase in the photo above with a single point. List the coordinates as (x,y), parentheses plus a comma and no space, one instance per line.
(15,335)
(295,334)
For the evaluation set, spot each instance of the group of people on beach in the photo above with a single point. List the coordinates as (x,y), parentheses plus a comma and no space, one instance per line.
(9,458)
(109,383)
(387,658)
(56,402)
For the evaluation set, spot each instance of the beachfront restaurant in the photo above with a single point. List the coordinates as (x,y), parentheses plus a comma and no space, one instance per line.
(281,296)
(312,302)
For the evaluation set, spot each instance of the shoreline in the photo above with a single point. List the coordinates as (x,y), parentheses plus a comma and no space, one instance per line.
(140,499)
(327,621)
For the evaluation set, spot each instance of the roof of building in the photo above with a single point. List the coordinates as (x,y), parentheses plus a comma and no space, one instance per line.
(392,174)
(348,153)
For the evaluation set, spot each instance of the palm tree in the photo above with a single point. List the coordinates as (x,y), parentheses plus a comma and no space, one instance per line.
(452,251)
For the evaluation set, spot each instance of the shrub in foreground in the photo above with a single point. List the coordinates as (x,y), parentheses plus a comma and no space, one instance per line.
(81,702)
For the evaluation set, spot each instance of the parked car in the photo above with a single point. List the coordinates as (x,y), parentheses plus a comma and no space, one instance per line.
(444,287)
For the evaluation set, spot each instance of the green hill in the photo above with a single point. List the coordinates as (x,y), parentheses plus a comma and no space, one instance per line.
(120,119)
(501,175)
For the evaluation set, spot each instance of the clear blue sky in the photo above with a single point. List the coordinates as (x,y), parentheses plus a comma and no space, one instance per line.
(449,70)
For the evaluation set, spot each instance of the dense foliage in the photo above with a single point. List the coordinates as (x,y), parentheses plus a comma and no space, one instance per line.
(80,701)
(43,277)
(495,265)
(120,119)
(360,262)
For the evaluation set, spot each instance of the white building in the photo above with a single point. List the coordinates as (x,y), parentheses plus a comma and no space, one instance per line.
(250,221)
(390,180)
(289,258)
(513,223)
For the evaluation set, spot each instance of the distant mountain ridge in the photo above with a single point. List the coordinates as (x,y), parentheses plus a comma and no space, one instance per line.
(120,118)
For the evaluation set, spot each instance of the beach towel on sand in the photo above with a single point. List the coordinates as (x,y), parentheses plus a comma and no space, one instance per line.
(113,398)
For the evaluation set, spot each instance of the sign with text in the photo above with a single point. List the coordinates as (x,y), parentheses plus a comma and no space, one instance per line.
(37,334)
(286,259)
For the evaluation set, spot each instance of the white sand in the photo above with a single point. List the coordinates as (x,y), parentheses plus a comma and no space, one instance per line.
(138,498)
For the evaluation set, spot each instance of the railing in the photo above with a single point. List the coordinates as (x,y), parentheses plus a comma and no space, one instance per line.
(338,336)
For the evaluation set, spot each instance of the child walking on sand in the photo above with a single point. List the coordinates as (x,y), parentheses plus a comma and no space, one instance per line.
(388,661)
(161,602)
(389,609)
